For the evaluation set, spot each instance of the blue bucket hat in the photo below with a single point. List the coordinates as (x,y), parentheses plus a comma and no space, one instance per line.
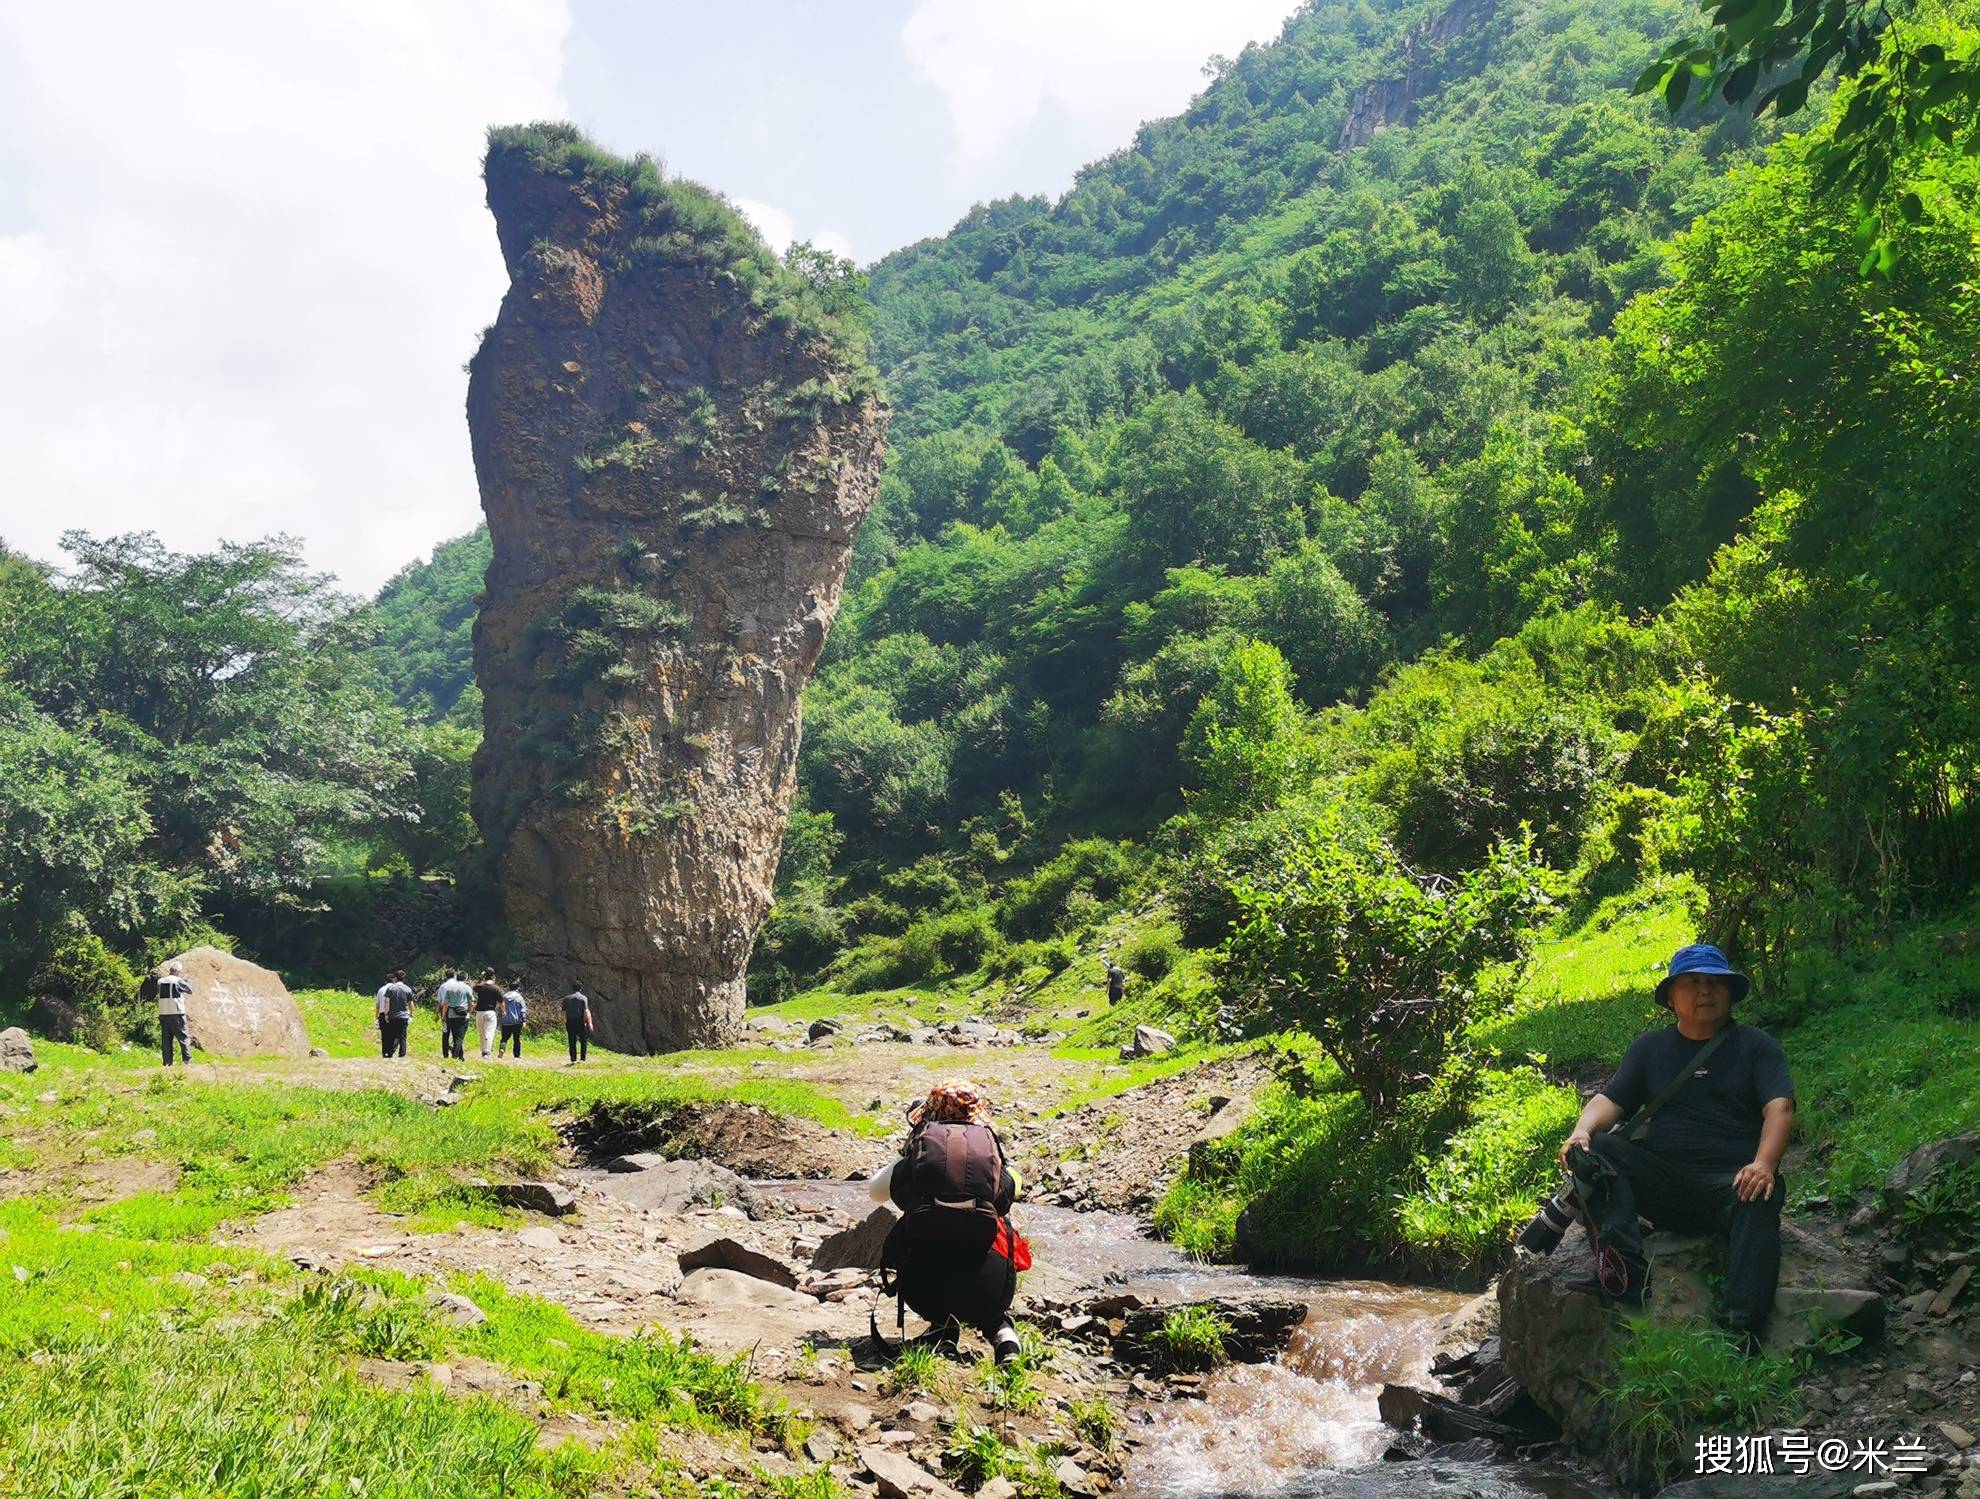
(1702,957)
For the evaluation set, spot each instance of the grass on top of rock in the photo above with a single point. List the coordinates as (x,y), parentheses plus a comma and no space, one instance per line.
(1192,1337)
(1674,1382)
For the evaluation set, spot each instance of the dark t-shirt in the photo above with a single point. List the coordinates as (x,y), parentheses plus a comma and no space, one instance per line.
(398,1001)
(575,1005)
(1713,1124)
(487,996)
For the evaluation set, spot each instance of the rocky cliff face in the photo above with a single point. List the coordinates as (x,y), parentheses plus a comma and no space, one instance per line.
(1422,62)
(675,439)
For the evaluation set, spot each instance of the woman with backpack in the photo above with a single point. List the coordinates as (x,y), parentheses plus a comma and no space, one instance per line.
(954,1256)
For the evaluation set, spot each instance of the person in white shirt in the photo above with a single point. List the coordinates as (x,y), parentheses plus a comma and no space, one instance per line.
(172,991)
(456,1002)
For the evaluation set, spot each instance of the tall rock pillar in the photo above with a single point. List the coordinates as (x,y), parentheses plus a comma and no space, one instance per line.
(676,438)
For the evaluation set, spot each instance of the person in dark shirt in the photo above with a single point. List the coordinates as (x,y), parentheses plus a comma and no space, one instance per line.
(1709,1158)
(1116,982)
(487,1010)
(577,1025)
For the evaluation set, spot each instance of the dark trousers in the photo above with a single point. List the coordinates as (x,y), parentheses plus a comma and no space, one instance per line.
(392,1036)
(1682,1200)
(172,1028)
(580,1042)
(957,1283)
(511,1036)
(453,1040)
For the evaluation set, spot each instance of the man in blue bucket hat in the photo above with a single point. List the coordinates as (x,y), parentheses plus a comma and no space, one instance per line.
(1710,1107)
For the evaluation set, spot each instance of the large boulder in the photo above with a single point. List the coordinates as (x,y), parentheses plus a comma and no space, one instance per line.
(1928,1169)
(236,1008)
(1558,1343)
(675,447)
(16,1050)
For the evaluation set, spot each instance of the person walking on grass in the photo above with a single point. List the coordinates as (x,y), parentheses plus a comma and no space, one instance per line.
(172,991)
(577,1025)
(455,1000)
(395,1012)
(487,1010)
(515,1010)
(1116,982)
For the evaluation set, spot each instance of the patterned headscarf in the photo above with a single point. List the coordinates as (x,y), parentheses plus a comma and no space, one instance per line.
(952,1102)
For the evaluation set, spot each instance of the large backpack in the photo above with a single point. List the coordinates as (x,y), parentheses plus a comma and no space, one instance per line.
(951,1185)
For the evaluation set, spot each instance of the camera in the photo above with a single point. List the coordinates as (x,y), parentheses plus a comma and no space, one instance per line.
(1543,1235)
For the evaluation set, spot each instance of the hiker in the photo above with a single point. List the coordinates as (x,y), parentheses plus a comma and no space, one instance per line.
(487,1010)
(515,1010)
(454,999)
(953,1256)
(172,991)
(1713,1107)
(395,1012)
(1116,982)
(577,1025)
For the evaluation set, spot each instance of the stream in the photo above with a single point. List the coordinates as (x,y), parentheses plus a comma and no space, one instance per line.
(1303,1426)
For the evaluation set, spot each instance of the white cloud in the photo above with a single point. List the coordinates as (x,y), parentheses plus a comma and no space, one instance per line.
(778,228)
(1102,65)
(244,256)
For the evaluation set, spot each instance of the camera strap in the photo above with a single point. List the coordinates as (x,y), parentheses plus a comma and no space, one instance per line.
(1640,1124)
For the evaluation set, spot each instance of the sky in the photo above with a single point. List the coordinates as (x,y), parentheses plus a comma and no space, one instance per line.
(244,253)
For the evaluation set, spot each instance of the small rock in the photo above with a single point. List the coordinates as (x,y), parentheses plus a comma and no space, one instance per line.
(317,1051)
(190,1280)
(899,1438)
(1073,1478)
(819,1446)
(378,1251)
(1959,1436)
(1942,1303)
(998,1488)
(820,1029)
(552,1198)
(441,1375)
(727,1254)
(540,1238)
(644,1160)
(900,1478)
(458,1309)
(1871,1490)
(856,1417)
(143,1136)
(920,1412)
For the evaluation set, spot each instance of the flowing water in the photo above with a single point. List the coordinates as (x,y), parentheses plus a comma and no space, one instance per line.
(1304,1427)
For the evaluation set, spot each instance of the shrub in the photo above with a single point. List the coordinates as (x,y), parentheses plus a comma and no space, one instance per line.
(963,938)
(1037,904)
(1153,952)
(1384,969)
(96,981)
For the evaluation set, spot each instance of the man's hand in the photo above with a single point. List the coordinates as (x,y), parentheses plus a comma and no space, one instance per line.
(1754,1182)
(1579,1137)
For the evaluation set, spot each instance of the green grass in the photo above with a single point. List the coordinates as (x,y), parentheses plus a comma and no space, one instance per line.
(240,1146)
(1588,992)
(1192,1337)
(148,1367)
(1676,1383)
